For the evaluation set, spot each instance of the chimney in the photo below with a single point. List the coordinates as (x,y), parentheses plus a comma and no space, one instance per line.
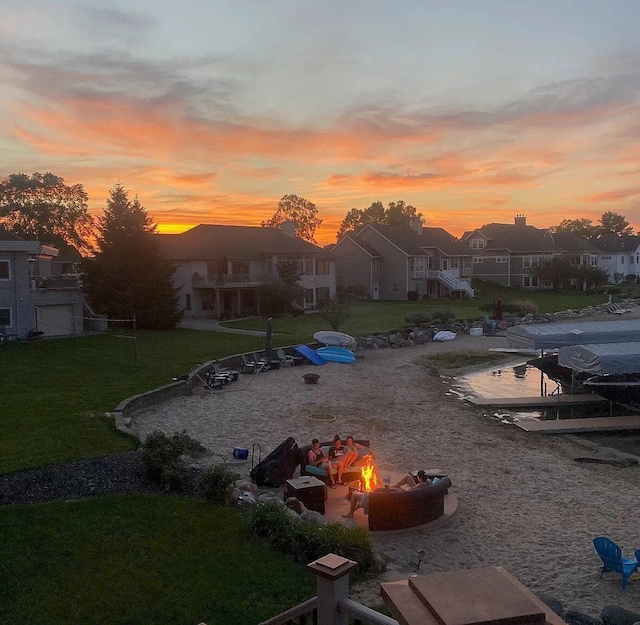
(288,228)
(520,220)
(416,225)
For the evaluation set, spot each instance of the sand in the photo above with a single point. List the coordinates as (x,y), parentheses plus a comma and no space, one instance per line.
(524,502)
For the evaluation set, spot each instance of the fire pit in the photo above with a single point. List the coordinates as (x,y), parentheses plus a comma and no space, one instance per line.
(311,378)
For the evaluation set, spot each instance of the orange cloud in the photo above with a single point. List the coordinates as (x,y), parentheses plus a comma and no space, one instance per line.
(610,196)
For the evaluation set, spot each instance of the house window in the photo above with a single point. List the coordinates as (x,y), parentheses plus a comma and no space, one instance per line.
(308,298)
(477,244)
(455,263)
(477,260)
(323,268)
(5,317)
(5,270)
(376,264)
(530,282)
(622,260)
(394,287)
(322,294)
(531,261)
(501,259)
(416,267)
(187,301)
(606,258)
(308,266)
(467,263)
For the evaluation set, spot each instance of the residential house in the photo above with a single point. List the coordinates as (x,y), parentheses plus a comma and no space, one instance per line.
(506,253)
(618,255)
(31,298)
(219,269)
(389,262)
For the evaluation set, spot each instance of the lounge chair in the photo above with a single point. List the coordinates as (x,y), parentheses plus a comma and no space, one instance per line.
(613,560)
(285,359)
(616,309)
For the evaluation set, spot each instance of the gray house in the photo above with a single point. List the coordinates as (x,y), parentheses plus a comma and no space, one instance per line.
(32,298)
(506,253)
(219,269)
(389,262)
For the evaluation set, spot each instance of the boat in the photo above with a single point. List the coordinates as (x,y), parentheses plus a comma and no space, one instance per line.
(336,354)
(331,337)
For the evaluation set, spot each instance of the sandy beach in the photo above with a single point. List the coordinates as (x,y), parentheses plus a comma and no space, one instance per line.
(524,502)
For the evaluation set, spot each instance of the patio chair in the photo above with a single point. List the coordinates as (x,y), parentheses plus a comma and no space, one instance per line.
(490,325)
(613,560)
(248,364)
(285,359)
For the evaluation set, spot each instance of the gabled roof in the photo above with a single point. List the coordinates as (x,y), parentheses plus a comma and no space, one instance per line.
(361,243)
(208,242)
(414,244)
(10,242)
(569,242)
(611,243)
(517,238)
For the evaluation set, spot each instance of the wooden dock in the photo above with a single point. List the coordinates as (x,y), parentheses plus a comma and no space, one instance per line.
(548,401)
(573,426)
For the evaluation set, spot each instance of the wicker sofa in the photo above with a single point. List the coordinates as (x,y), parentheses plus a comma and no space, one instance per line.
(352,473)
(396,510)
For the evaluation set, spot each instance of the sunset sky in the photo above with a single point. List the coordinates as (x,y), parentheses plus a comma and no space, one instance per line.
(473,111)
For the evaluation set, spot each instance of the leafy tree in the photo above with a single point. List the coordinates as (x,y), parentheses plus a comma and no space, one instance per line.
(303,212)
(288,272)
(616,223)
(580,227)
(557,270)
(335,312)
(590,277)
(128,276)
(396,214)
(42,207)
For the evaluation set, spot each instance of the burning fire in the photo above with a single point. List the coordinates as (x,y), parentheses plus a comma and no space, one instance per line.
(368,478)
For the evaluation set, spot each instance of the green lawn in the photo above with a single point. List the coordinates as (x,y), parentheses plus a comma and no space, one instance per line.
(146,560)
(55,393)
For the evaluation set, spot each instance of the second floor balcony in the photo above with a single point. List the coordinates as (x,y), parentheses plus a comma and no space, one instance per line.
(232,279)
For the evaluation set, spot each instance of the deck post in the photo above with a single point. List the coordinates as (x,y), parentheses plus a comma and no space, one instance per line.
(332,579)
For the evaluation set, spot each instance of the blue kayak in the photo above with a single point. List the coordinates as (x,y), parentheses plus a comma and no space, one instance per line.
(336,354)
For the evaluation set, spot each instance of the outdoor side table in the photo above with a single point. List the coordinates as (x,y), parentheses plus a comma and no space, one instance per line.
(309,490)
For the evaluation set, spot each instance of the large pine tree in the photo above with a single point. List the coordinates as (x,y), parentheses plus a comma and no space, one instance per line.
(128,276)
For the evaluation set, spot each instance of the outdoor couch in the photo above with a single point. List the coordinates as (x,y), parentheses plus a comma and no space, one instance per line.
(352,473)
(396,510)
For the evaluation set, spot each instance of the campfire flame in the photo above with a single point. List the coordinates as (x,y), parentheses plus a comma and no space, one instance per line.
(368,478)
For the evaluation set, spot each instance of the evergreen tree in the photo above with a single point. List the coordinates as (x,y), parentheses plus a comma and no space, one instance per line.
(128,276)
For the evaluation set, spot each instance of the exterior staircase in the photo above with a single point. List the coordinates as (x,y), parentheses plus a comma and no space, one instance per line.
(454,283)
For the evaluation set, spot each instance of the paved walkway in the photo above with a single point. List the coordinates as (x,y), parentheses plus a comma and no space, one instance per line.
(212,325)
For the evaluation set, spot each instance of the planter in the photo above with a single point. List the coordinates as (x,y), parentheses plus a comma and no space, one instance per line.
(311,378)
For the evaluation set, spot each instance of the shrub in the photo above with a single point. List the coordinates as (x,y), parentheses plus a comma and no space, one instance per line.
(213,484)
(162,457)
(417,318)
(631,278)
(524,307)
(335,312)
(305,542)
(442,316)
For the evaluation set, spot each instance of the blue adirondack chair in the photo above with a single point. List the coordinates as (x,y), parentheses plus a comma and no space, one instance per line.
(612,559)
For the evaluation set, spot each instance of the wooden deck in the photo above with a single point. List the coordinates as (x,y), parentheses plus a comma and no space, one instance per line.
(537,402)
(573,426)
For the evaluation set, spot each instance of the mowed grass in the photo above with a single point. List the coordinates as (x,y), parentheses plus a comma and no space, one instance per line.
(145,560)
(55,393)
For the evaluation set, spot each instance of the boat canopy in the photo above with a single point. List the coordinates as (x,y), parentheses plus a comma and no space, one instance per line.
(601,358)
(556,335)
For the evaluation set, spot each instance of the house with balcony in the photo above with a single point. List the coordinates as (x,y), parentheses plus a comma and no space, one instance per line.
(32,297)
(389,262)
(219,269)
(507,253)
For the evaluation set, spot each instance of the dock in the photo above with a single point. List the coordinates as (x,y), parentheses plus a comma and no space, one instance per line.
(549,401)
(573,426)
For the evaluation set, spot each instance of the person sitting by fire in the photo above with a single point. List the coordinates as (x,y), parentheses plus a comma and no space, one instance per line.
(360,499)
(410,480)
(351,452)
(343,456)
(318,458)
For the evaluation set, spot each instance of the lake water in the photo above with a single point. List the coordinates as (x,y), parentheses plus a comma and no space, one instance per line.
(523,380)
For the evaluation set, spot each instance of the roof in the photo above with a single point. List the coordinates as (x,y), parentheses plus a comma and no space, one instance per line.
(208,241)
(517,238)
(5,235)
(570,242)
(414,244)
(361,243)
(611,242)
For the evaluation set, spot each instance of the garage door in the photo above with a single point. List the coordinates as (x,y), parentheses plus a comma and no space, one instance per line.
(55,320)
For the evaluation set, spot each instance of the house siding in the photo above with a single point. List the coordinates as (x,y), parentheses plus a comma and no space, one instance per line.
(394,268)
(354,266)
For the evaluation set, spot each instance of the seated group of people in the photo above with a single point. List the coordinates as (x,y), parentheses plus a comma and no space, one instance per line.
(417,479)
(337,461)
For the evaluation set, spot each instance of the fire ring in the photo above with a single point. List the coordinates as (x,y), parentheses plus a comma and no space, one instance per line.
(321,417)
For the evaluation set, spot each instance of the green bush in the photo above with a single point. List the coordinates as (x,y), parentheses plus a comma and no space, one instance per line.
(417,318)
(162,458)
(524,307)
(213,483)
(305,542)
(442,316)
